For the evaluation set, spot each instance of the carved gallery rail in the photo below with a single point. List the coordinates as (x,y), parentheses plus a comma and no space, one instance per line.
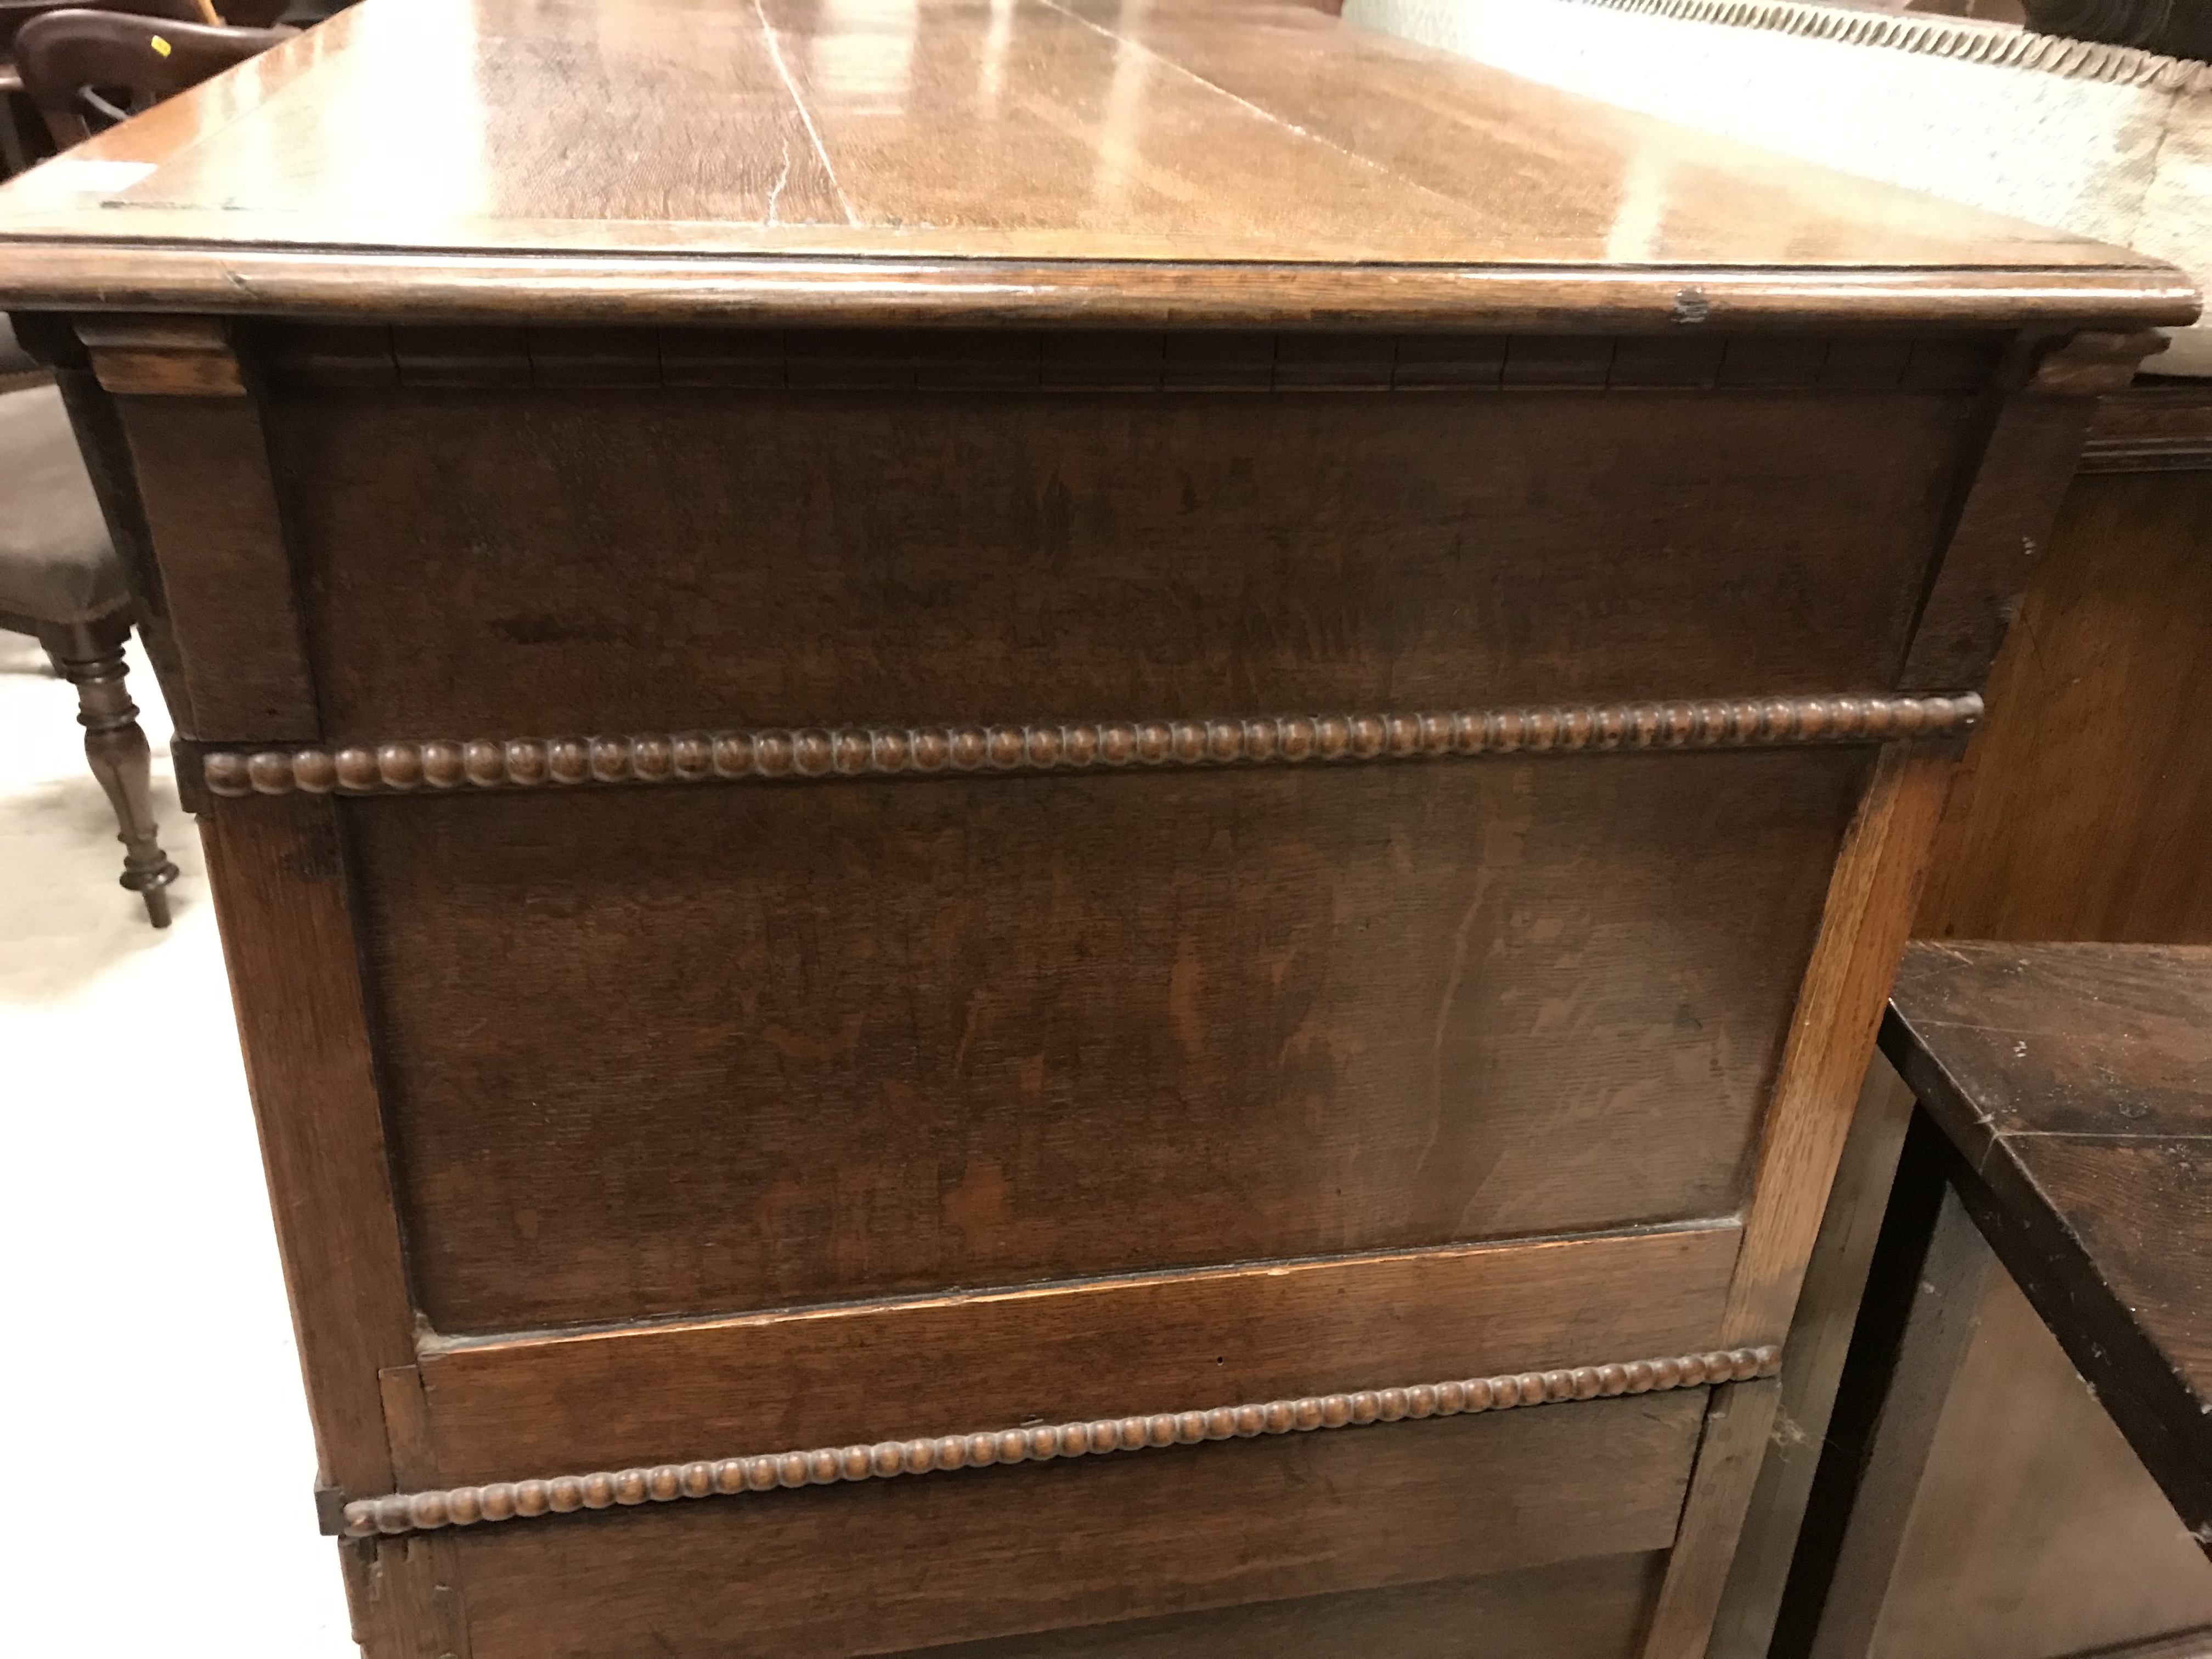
(699,756)
(668,1483)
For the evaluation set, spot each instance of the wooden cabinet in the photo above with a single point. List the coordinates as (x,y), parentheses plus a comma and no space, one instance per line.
(1046,830)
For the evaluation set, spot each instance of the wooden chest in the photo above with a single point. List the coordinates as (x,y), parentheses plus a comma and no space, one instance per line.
(1045,829)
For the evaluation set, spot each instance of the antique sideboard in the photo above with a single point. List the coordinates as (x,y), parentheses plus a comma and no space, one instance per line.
(1045,827)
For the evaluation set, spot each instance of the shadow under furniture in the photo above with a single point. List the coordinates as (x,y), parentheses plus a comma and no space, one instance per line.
(2063,1136)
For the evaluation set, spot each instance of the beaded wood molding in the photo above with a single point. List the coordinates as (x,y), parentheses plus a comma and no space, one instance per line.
(891,751)
(1975,40)
(729,1477)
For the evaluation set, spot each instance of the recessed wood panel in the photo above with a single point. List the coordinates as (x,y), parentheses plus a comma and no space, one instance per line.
(543,1405)
(838,558)
(989,1552)
(882,1037)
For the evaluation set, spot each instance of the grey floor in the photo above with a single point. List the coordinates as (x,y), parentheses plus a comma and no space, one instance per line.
(158,1462)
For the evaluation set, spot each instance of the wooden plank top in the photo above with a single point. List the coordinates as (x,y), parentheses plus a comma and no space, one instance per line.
(908,159)
(2076,1081)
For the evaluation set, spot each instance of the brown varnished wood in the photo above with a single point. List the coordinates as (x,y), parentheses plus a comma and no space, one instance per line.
(1591,1609)
(163,356)
(280,898)
(1862,929)
(990,1552)
(1135,360)
(201,463)
(2033,449)
(1819,1337)
(2076,1082)
(89,655)
(2153,426)
(1078,372)
(1738,1424)
(2034,444)
(401,767)
(1316,1043)
(1043,132)
(1166,292)
(936,1365)
(2107,676)
(410,1591)
(1869,908)
(1731,1372)
(1211,555)
(2038,1517)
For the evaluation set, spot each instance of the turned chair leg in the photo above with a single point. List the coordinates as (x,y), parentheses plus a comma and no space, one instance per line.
(115,744)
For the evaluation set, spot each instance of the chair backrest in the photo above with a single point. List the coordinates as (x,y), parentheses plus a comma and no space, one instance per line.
(13,14)
(69,60)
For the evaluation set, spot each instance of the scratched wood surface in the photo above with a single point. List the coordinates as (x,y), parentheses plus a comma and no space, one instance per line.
(2076,1081)
(1782,538)
(954,130)
(1041,363)
(980,1033)
(996,1553)
(627,1396)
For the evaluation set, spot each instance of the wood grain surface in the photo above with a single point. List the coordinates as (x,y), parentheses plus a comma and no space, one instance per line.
(1821,1334)
(2076,1082)
(2082,808)
(992,1552)
(937,1365)
(202,471)
(1064,135)
(677,367)
(1198,555)
(1869,908)
(533,1498)
(288,941)
(975,1032)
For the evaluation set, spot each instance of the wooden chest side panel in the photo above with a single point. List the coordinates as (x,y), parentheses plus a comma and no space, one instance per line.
(1589,1609)
(479,562)
(884,1037)
(990,1552)
(538,1405)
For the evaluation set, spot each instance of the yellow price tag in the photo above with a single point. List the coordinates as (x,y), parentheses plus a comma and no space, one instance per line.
(161,45)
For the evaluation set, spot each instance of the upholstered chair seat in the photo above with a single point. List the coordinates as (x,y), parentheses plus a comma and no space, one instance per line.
(60,580)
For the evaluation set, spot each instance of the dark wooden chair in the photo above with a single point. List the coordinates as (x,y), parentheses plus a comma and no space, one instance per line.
(60,580)
(23,138)
(72,62)
(2063,1133)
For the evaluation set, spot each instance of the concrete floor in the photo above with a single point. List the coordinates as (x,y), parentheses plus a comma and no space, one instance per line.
(161,1471)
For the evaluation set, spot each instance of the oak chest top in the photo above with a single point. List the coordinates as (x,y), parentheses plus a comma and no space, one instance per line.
(1033,735)
(986,159)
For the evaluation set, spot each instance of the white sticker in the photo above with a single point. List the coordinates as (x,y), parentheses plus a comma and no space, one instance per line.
(65,175)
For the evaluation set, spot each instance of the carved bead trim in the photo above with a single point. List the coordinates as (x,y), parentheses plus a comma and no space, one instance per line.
(885,751)
(728,1477)
(1975,40)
